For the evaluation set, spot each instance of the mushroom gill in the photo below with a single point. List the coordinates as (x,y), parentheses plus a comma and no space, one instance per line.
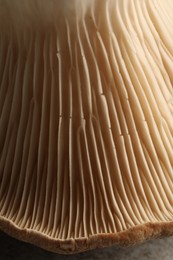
(86,122)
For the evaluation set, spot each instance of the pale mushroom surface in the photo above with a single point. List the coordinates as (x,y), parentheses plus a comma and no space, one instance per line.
(86,122)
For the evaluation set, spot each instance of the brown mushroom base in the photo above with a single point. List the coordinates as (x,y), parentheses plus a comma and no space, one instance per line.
(86,122)
(130,237)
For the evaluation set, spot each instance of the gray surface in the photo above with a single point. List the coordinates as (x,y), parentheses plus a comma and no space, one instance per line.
(160,249)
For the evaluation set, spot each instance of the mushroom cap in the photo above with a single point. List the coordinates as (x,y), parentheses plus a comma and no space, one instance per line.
(86,122)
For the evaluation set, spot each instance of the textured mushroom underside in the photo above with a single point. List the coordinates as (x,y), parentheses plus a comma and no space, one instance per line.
(86,106)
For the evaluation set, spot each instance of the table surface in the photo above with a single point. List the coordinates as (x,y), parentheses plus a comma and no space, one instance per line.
(160,249)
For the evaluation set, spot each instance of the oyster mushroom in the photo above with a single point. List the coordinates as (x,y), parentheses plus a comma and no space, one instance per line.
(86,125)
